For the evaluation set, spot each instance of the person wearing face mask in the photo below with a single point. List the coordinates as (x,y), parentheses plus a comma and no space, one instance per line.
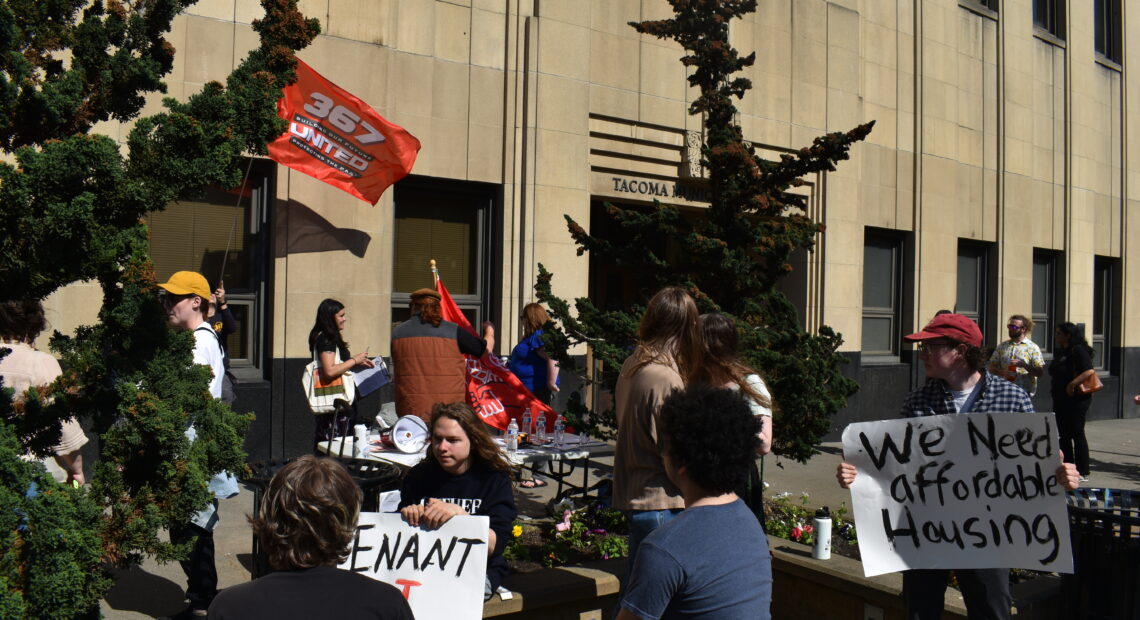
(1019,359)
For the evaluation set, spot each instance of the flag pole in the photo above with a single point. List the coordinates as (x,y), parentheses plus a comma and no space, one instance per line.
(434,272)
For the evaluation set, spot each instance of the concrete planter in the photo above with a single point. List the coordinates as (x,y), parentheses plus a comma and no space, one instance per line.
(803,588)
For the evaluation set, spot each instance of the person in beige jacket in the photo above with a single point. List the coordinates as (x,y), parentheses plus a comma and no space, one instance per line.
(668,349)
(21,321)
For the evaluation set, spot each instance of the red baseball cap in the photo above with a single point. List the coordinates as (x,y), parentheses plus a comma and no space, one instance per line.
(953,326)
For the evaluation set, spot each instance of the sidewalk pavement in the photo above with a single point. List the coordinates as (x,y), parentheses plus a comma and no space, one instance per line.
(155,590)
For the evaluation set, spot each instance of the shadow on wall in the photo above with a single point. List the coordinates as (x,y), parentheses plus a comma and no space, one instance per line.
(303,230)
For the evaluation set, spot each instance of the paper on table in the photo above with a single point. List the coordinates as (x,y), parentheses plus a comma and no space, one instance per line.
(369,380)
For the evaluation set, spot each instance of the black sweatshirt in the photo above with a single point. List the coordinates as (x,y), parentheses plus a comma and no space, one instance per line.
(480,491)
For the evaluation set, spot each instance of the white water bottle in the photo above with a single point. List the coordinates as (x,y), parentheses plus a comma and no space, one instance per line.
(360,440)
(821,550)
(512,437)
(540,426)
(526,425)
(559,430)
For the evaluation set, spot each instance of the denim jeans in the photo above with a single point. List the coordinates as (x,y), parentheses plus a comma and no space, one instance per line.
(641,523)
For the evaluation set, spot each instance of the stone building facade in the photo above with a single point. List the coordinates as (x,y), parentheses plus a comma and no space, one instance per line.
(998,179)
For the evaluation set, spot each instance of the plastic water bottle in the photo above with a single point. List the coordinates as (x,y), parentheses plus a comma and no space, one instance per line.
(821,550)
(526,425)
(540,426)
(559,430)
(512,437)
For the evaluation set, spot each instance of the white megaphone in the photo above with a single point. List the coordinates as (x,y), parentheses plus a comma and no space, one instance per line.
(409,434)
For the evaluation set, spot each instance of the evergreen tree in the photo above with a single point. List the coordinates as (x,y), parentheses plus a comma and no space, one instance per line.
(730,260)
(71,207)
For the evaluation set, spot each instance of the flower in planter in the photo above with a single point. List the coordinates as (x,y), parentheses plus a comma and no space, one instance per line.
(516,531)
(565,524)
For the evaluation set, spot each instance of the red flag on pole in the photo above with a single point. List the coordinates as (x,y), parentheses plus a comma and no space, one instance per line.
(339,139)
(493,391)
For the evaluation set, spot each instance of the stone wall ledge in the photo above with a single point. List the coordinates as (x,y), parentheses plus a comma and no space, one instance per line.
(803,588)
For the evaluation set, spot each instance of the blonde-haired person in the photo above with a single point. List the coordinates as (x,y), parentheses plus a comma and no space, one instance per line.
(529,360)
(668,351)
(306,528)
(464,473)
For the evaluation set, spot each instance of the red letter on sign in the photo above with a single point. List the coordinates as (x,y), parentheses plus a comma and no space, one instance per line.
(407,584)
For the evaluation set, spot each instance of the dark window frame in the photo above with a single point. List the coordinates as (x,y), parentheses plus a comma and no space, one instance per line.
(1046,318)
(1106,313)
(249,304)
(894,242)
(1108,30)
(1049,17)
(982,284)
(985,8)
(478,306)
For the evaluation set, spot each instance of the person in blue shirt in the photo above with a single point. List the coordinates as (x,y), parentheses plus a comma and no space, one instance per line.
(529,361)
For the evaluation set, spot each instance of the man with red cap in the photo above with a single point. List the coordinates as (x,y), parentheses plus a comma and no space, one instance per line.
(950,347)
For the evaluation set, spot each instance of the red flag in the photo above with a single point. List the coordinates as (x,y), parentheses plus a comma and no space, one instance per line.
(493,391)
(339,139)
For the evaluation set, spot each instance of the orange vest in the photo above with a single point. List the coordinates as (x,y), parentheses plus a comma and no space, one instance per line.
(428,366)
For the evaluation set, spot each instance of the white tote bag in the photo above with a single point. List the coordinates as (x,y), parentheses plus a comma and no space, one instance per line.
(323,396)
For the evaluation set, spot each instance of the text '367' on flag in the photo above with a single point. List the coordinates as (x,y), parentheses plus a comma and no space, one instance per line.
(337,138)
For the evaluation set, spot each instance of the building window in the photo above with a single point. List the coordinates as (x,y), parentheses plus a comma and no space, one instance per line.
(985,6)
(882,293)
(224,236)
(1104,311)
(1107,28)
(973,283)
(450,223)
(1044,303)
(1049,15)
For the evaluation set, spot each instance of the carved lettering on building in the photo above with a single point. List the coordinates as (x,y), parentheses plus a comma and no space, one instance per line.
(659,189)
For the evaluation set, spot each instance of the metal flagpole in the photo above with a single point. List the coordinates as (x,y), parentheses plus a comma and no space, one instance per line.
(434,272)
(233,227)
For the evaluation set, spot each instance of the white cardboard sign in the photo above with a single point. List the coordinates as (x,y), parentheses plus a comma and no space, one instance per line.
(972,490)
(440,572)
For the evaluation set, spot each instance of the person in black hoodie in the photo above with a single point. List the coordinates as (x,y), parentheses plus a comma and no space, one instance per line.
(464,473)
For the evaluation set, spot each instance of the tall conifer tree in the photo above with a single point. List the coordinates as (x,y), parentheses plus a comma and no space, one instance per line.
(729,260)
(71,209)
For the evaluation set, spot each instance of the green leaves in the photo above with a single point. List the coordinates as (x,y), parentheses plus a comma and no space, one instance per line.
(731,259)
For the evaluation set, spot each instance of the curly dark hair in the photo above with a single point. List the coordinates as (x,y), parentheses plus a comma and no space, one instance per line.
(308,515)
(21,320)
(483,448)
(712,433)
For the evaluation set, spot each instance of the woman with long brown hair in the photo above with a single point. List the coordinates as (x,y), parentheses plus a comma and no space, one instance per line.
(464,473)
(721,367)
(668,350)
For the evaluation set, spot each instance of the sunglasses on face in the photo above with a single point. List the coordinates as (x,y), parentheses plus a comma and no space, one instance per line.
(169,301)
(929,347)
(1017,327)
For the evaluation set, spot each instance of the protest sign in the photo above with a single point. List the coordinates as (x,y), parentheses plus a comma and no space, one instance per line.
(441,572)
(959,491)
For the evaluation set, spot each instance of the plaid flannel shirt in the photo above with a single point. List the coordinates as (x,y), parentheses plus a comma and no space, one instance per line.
(998,396)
